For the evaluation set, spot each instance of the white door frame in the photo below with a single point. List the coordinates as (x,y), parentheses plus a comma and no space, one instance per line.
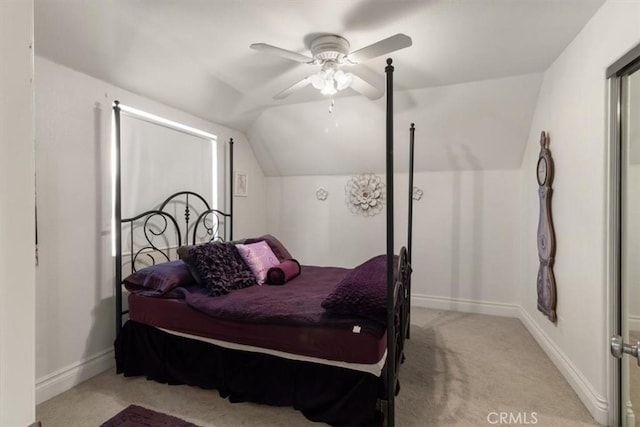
(612,244)
(615,73)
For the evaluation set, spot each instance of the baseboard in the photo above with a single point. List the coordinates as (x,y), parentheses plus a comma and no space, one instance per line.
(64,379)
(466,306)
(596,404)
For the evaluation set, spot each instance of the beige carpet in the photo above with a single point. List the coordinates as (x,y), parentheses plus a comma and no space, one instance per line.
(461,370)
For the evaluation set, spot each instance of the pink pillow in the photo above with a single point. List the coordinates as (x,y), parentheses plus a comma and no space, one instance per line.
(259,257)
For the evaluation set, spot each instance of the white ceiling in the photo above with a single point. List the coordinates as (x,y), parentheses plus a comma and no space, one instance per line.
(478,125)
(194,55)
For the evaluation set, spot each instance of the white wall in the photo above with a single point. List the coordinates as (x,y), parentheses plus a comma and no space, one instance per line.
(17,271)
(74,301)
(572,107)
(465,239)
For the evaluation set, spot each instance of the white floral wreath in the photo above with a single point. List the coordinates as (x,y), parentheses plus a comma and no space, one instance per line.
(417,193)
(322,194)
(365,194)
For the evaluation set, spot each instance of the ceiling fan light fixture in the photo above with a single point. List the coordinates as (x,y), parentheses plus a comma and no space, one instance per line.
(343,80)
(330,80)
(318,80)
(329,88)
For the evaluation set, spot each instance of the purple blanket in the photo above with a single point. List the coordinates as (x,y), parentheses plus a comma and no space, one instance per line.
(298,301)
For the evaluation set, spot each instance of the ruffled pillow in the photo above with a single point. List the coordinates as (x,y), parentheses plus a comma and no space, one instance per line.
(259,257)
(218,267)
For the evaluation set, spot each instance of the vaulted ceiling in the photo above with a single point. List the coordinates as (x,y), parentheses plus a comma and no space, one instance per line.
(469,81)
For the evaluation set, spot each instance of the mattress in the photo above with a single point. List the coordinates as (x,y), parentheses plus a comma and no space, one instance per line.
(355,347)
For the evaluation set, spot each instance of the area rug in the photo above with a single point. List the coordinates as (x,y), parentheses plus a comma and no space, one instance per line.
(137,416)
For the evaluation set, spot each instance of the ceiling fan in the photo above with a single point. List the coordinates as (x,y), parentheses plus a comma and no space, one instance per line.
(331,52)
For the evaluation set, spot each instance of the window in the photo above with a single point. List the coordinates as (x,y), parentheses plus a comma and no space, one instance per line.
(159,158)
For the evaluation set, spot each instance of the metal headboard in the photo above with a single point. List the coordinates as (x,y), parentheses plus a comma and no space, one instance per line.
(183,218)
(210,224)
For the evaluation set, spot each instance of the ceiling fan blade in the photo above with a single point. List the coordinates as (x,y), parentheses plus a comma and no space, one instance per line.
(372,90)
(294,56)
(390,44)
(296,86)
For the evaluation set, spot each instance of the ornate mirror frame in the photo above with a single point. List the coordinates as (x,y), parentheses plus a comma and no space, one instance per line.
(546,282)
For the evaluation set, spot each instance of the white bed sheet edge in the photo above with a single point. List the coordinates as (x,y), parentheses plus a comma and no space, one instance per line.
(374,368)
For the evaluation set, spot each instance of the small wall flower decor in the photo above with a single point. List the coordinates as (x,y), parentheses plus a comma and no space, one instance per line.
(417,193)
(365,194)
(322,194)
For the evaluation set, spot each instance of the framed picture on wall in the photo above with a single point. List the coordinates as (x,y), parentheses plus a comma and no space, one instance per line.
(241,184)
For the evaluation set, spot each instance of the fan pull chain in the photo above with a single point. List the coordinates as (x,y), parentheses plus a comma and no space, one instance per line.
(333,103)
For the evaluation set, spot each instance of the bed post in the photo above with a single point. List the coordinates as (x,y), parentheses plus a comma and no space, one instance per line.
(230,190)
(391,341)
(117,215)
(412,131)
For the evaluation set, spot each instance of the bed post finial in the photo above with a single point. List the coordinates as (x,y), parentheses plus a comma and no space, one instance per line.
(413,125)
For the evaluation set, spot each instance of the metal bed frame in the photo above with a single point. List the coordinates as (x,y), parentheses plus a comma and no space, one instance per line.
(212,224)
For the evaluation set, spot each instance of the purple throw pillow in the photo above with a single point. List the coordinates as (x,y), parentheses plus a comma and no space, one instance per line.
(259,257)
(276,246)
(159,279)
(283,272)
(363,291)
(218,267)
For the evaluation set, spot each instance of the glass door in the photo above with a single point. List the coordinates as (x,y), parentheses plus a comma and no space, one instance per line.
(630,241)
(625,162)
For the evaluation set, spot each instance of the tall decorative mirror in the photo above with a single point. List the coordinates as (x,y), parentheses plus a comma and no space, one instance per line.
(546,282)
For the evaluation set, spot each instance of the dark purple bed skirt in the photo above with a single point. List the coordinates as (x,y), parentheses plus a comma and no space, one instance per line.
(336,396)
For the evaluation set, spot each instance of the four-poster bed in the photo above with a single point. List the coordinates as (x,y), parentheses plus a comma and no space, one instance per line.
(302,344)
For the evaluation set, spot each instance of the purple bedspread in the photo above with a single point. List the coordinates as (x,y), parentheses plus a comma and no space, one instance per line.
(296,302)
